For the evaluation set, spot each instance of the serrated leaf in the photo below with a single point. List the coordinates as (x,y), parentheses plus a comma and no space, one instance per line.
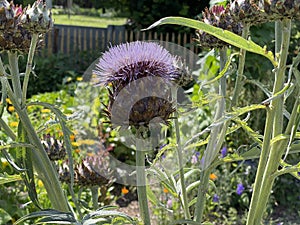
(5,178)
(49,213)
(224,35)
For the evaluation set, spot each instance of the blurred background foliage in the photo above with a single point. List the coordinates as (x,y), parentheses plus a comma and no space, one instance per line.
(57,77)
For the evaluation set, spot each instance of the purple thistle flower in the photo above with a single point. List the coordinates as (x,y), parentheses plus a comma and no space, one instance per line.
(125,63)
(216,198)
(223,152)
(131,97)
(240,189)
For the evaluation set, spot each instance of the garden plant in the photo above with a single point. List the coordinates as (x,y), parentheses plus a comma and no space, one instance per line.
(136,89)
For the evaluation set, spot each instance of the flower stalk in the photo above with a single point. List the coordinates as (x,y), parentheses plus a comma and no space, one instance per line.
(141,180)
(241,66)
(33,44)
(214,144)
(180,160)
(270,154)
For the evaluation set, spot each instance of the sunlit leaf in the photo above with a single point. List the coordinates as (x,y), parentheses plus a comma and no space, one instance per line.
(5,178)
(224,35)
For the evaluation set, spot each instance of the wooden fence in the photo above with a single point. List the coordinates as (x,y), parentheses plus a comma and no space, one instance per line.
(73,39)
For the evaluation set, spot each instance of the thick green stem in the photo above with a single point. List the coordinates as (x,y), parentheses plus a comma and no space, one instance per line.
(28,70)
(141,182)
(240,71)
(95,196)
(214,144)
(41,162)
(15,75)
(180,161)
(7,129)
(271,154)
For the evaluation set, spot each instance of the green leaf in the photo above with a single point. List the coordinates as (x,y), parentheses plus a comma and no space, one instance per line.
(106,213)
(4,216)
(5,178)
(50,214)
(167,181)
(151,196)
(221,74)
(224,35)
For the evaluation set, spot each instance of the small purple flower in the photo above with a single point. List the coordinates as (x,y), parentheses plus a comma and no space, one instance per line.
(240,189)
(224,152)
(194,159)
(216,198)
(298,173)
(169,203)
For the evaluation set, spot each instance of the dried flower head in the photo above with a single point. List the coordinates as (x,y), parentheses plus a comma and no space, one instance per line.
(92,170)
(247,11)
(280,9)
(17,25)
(36,18)
(219,17)
(135,69)
(53,147)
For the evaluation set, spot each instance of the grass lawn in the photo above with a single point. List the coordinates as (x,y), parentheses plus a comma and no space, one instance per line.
(88,21)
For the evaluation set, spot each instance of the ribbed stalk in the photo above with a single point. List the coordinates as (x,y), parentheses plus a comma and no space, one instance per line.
(270,154)
(141,182)
(214,144)
(41,162)
(240,71)
(28,70)
(180,160)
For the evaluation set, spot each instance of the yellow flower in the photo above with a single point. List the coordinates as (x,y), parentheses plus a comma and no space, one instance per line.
(8,101)
(86,142)
(40,184)
(45,110)
(79,78)
(213,176)
(11,108)
(77,150)
(75,144)
(124,190)
(4,164)
(13,124)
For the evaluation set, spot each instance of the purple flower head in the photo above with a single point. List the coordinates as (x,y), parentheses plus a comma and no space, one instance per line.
(217,10)
(240,189)
(127,62)
(224,152)
(140,75)
(216,198)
